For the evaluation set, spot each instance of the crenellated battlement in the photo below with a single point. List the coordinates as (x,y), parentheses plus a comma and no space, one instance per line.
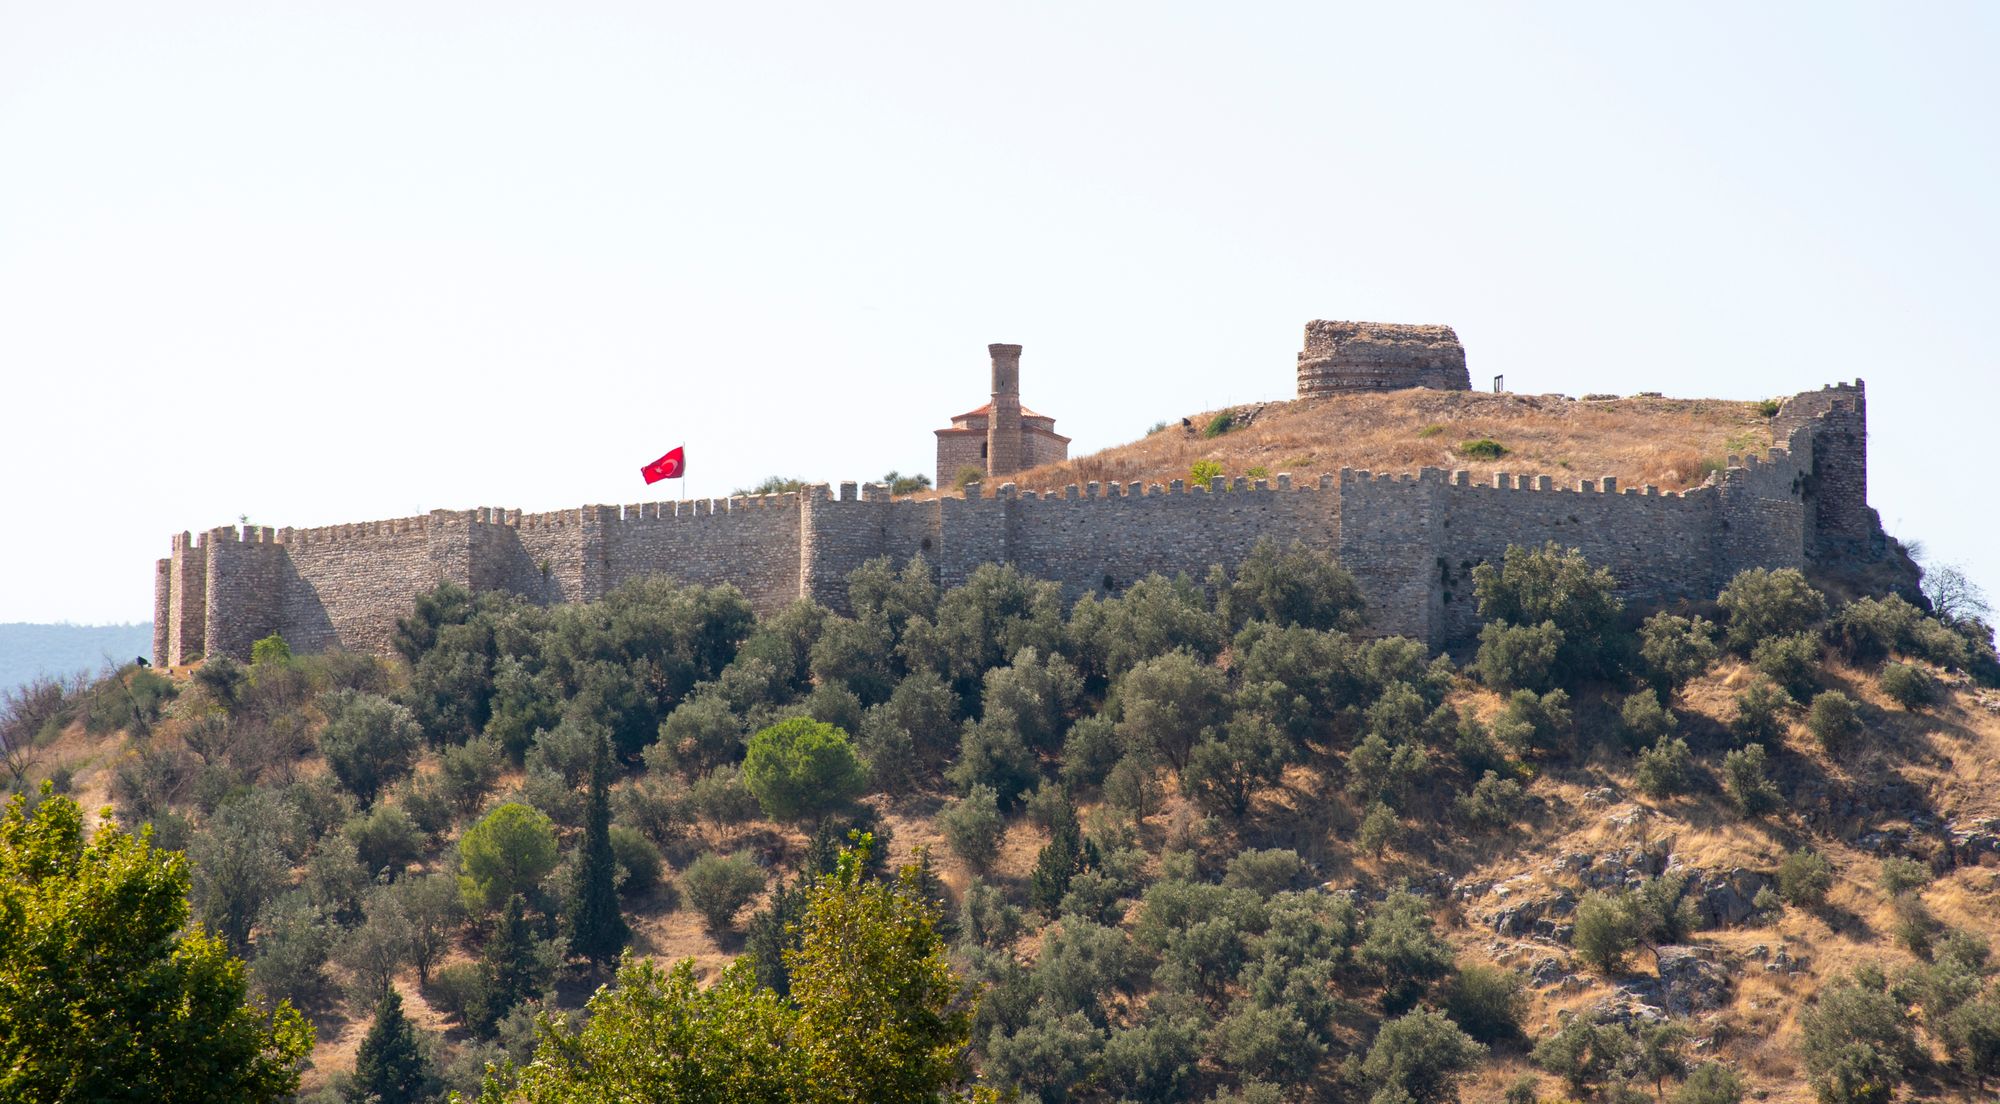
(1411,539)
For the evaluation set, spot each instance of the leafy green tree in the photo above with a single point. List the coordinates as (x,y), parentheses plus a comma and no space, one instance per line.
(1154,616)
(1666,768)
(1910,686)
(1661,1053)
(435,909)
(386,839)
(106,992)
(1745,780)
(659,1035)
(1760,713)
(1225,770)
(972,826)
(800,767)
(369,741)
(1834,720)
(880,1019)
(506,854)
(271,650)
(1535,723)
(1857,1041)
(1292,586)
(597,929)
(1403,951)
(242,860)
(1677,649)
(1421,1057)
(1488,1002)
(1792,661)
(1762,604)
(718,887)
(1804,878)
(1606,931)
(390,1067)
(991,753)
(376,950)
(1583,1051)
(1710,1083)
(1166,704)
(1519,657)
(1531,586)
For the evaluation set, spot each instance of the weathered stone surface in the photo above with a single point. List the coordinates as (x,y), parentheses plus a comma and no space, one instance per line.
(1411,542)
(1380,356)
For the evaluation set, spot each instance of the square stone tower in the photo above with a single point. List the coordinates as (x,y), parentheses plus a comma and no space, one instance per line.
(1003,436)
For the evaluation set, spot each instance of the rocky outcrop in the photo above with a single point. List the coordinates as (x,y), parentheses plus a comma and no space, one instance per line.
(1380,356)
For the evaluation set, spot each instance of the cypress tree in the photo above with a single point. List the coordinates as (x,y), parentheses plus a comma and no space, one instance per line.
(389,1067)
(597,928)
(1067,855)
(512,963)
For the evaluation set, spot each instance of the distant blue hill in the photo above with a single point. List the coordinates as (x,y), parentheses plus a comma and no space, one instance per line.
(29,651)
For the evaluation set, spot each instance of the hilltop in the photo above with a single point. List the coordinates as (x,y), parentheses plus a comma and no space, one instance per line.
(1673,444)
(1296,836)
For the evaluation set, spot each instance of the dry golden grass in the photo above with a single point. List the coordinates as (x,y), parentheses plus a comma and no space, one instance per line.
(1663,442)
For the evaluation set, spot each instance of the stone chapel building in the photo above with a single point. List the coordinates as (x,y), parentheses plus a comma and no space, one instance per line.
(1003,436)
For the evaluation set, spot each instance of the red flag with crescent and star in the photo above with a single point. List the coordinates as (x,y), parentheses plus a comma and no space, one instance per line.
(671,466)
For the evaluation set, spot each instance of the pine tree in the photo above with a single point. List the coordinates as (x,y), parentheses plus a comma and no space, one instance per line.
(390,1067)
(597,929)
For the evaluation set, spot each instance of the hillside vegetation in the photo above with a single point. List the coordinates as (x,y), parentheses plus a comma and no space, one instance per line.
(1670,443)
(1191,842)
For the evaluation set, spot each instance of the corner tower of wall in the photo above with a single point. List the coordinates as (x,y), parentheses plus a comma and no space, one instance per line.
(1839,519)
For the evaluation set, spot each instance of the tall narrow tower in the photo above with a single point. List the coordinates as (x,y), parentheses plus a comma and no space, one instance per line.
(1003,426)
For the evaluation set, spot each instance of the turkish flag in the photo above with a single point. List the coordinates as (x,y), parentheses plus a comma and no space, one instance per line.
(671,466)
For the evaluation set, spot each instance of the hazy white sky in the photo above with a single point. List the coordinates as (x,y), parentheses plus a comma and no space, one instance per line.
(315,263)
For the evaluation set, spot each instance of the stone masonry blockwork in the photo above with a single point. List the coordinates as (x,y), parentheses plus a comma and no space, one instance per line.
(1411,541)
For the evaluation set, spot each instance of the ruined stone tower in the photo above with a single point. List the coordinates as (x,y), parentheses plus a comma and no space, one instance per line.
(1001,437)
(1380,356)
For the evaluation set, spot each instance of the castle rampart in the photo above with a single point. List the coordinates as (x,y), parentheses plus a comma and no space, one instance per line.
(1411,541)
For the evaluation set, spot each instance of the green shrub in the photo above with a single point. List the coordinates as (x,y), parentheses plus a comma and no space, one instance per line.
(900,484)
(458,990)
(1256,471)
(1760,713)
(1420,1057)
(972,827)
(639,863)
(1518,657)
(369,741)
(1766,408)
(1220,424)
(967,475)
(1533,585)
(1202,471)
(1265,872)
(1834,720)
(1492,803)
(1899,876)
(1666,769)
(1644,721)
(718,887)
(1910,686)
(272,650)
(1290,586)
(1488,1002)
(1534,722)
(1606,930)
(720,797)
(1380,829)
(1869,629)
(1484,448)
(1745,781)
(799,768)
(1804,878)
(1857,1041)
(1791,661)
(1762,604)
(1677,649)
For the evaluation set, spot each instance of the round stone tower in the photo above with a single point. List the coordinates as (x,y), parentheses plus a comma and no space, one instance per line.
(1003,425)
(1380,356)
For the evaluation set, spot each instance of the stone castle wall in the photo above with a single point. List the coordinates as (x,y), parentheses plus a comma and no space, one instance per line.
(1411,541)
